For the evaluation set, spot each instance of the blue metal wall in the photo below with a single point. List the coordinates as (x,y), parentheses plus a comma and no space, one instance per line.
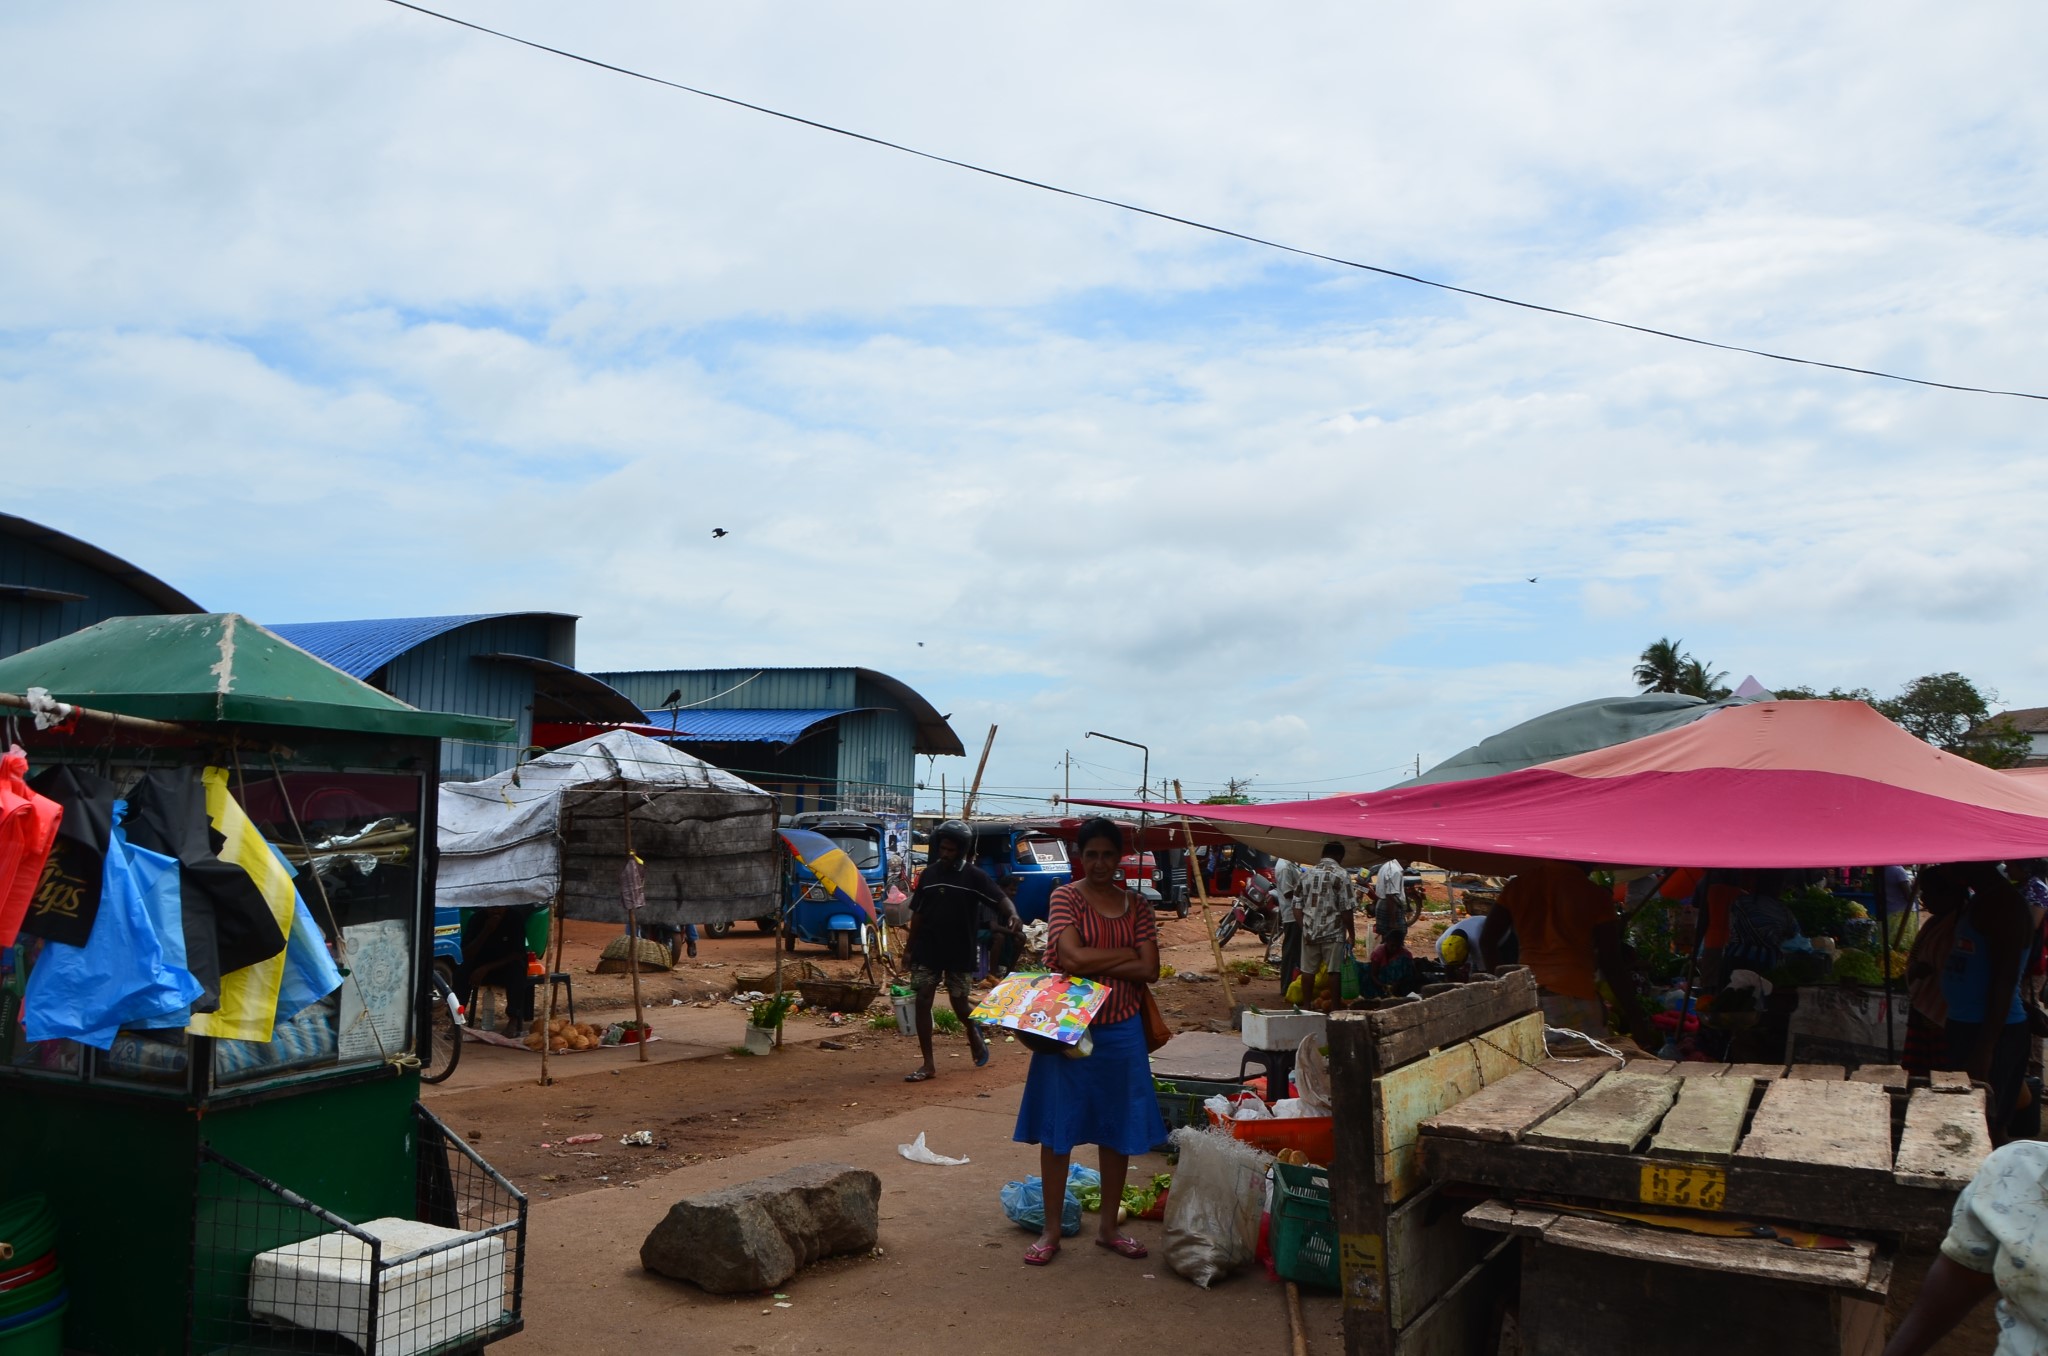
(25,624)
(446,674)
(872,763)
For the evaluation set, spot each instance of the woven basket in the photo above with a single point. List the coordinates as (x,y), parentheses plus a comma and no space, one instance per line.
(838,995)
(614,961)
(794,973)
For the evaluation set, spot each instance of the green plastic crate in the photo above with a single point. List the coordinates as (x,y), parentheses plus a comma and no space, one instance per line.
(1183,1106)
(1306,1180)
(1305,1249)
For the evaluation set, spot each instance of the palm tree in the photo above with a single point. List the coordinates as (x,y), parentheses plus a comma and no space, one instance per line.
(1661,667)
(1698,679)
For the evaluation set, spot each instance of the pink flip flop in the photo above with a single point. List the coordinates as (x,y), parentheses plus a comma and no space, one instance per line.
(1123,1245)
(1041,1253)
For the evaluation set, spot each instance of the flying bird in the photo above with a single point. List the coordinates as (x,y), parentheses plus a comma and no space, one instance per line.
(1532,578)
(920,645)
(717,532)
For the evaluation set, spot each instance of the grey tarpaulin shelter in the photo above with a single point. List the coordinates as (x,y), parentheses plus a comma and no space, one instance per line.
(556,824)
(1578,728)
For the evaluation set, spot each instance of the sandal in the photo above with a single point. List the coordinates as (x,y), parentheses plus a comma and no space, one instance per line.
(1124,1245)
(1041,1253)
(919,1076)
(981,1056)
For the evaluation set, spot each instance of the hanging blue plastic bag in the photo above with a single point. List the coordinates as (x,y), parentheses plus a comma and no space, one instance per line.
(121,976)
(1024,1204)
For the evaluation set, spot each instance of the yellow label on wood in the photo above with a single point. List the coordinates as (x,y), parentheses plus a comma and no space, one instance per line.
(1362,1259)
(1688,1188)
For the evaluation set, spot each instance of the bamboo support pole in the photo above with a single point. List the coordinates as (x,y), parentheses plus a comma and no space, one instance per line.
(1195,879)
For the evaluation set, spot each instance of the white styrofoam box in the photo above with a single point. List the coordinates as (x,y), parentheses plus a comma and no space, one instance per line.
(324,1283)
(1280,1030)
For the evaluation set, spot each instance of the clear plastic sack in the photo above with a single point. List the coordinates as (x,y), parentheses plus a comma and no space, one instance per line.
(1212,1214)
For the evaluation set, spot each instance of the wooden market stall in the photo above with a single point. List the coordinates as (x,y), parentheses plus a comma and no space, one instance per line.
(247,1172)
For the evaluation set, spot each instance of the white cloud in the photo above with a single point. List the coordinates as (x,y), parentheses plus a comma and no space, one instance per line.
(340,312)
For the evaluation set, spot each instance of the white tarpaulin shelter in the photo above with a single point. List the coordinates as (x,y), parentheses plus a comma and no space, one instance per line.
(558,825)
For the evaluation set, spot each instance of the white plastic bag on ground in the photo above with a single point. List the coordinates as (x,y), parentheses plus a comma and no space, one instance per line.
(1212,1213)
(916,1152)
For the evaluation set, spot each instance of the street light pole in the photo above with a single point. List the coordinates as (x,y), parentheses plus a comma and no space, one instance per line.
(1144,789)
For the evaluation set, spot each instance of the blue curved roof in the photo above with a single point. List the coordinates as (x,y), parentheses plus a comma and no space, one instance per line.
(742,725)
(360,648)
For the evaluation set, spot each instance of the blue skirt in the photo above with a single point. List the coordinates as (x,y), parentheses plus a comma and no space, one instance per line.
(1105,1098)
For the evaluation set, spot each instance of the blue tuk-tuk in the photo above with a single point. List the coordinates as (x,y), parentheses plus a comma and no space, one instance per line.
(809,914)
(1029,852)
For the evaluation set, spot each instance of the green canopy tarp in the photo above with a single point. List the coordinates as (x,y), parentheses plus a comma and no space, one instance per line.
(221,667)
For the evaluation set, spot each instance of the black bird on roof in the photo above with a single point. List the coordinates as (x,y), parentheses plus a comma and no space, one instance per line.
(672,698)
(717,532)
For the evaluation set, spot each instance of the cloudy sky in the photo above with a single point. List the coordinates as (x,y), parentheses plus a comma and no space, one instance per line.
(335,310)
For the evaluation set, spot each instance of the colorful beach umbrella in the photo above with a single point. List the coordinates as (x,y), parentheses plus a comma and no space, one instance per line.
(1770,784)
(834,870)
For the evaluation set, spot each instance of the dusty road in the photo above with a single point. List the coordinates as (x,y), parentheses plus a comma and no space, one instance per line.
(949,1277)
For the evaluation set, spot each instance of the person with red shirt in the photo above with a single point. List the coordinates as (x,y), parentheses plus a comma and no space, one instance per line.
(1100,929)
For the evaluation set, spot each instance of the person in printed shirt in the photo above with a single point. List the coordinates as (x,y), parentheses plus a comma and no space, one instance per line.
(1329,912)
(1287,899)
(1997,1240)
(1099,928)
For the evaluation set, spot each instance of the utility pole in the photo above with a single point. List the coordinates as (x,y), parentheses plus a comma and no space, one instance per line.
(942,796)
(967,806)
(1068,789)
(1418,765)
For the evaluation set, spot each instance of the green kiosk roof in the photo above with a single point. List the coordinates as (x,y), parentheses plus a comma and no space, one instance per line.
(221,667)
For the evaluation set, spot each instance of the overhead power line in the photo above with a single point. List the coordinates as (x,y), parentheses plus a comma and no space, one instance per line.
(1192,223)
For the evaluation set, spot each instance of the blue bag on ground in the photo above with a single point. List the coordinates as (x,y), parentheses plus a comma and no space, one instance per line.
(1024,1202)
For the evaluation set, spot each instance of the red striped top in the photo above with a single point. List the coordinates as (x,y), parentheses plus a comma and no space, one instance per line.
(1071,909)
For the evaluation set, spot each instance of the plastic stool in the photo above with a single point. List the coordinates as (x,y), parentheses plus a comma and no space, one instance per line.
(1277,1065)
(560,977)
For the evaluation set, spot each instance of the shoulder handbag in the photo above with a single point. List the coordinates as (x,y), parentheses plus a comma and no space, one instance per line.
(1157,1032)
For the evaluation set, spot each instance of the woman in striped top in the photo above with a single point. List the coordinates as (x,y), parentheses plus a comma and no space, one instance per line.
(1102,930)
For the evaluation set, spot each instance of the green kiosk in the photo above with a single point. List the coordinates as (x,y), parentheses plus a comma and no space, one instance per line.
(281,1188)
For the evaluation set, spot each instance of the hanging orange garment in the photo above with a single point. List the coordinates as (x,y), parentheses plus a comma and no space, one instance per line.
(28,830)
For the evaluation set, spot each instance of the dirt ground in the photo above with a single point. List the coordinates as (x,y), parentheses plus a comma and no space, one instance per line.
(949,1267)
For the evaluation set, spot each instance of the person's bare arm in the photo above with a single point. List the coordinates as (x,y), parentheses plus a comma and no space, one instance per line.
(1947,1294)
(1139,963)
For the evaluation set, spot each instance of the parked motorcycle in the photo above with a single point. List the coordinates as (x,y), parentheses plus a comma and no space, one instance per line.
(1256,910)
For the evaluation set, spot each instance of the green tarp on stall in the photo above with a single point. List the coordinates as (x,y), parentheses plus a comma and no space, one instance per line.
(221,667)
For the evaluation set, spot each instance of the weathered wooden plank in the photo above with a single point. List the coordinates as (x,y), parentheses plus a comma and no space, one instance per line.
(1408,1032)
(1652,1066)
(1846,1125)
(1837,1200)
(1413,1093)
(1762,1073)
(1464,1319)
(1947,1080)
(1836,1269)
(1706,1120)
(1428,1249)
(1945,1140)
(1613,1115)
(1697,1069)
(1818,1073)
(1502,1112)
(1889,1076)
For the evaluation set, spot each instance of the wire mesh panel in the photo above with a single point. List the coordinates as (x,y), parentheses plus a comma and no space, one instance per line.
(276,1272)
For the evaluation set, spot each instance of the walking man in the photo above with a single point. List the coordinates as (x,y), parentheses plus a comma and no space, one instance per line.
(1329,913)
(1287,901)
(943,946)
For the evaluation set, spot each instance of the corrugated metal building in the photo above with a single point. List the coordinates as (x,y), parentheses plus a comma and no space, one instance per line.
(821,739)
(52,584)
(517,666)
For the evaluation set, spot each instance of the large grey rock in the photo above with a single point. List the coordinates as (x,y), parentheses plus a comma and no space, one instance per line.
(759,1234)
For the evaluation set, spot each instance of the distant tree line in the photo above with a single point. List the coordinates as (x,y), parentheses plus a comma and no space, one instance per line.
(1945,709)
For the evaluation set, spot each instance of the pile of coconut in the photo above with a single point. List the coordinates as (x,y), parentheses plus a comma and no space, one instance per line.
(564,1035)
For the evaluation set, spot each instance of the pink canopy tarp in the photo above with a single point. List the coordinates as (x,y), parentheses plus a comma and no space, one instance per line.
(1774,784)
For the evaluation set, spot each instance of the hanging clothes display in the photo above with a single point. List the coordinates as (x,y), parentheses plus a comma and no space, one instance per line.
(248,995)
(121,976)
(68,896)
(28,826)
(229,923)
